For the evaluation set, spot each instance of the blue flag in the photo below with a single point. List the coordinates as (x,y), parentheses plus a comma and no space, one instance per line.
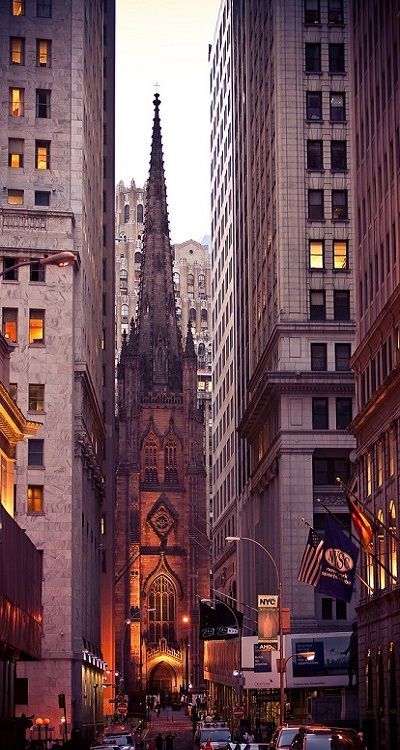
(338,567)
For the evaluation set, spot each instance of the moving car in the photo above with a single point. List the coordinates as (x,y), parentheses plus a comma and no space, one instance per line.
(122,741)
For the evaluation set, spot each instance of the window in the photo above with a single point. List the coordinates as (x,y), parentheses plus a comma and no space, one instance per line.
(177,279)
(37,272)
(320,418)
(192,315)
(150,461)
(335,12)
(15,197)
(326,608)
(190,282)
(42,198)
(15,153)
(162,599)
(35,452)
(36,326)
(315,205)
(340,255)
(326,469)
(123,279)
(43,53)
(35,498)
(317,305)
(126,213)
(311,12)
(342,357)
(338,156)
(339,205)
(43,8)
(124,313)
(341,304)
(202,283)
(170,462)
(379,463)
(10,275)
(138,257)
(318,357)
(17,7)
(314,155)
(139,213)
(314,105)
(36,397)
(43,99)
(10,324)
(316,254)
(17,50)
(16,102)
(313,58)
(42,154)
(343,413)
(336,58)
(391,451)
(341,610)
(337,107)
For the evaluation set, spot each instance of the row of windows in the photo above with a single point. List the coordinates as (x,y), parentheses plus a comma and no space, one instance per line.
(341,304)
(319,358)
(379,462)
(317,255)
(139,213)
(320,413)
(383,261)
(43,8)
(312,12)
(35,326)
(313,58)
(16,153)
(201,281)
(315,155)
(16,102)
(339,205)
(337,106)
(380,366)
(35,396)
(17,197)
(43,51)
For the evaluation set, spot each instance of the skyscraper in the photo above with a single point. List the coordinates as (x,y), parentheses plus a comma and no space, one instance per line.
(162,554)
(376,162)
(57,177)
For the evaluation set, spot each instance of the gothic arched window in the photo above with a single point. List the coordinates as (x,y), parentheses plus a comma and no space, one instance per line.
(150,461)
(139,213)
(162,598)
(123,279)
(177,279)
(190,283)
(202,283)
(124,313)
(126,213)
(192,315)
(204,316)
(201,351)
(392,541)
(138,257)
(380,552)
(170,462)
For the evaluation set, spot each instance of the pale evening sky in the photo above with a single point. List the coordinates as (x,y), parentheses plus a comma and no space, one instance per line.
(166,42)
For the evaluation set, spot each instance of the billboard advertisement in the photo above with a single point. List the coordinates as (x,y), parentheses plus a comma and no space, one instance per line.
(268,619)
(329,668)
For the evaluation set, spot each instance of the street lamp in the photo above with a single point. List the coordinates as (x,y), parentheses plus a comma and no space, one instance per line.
(65,258)
(280,617)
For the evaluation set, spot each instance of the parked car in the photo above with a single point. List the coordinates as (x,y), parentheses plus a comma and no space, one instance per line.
(283,737)
(326,738)
(218,736)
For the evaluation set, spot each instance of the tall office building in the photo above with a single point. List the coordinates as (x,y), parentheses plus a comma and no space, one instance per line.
(282,262)
(376,165)
(57,175)
(162,560)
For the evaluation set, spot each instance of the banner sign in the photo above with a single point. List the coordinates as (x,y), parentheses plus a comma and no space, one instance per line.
(262,657)
(219,623)
(338,566)
(330,666)
(268,619)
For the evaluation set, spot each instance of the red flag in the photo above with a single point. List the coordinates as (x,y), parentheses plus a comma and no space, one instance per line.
(362,525)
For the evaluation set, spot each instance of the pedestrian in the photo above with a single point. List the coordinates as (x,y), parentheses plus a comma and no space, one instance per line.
(169,741)
(159,742)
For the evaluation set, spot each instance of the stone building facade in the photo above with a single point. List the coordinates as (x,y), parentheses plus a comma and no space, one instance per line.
(376,426)
(162,562)
(56,170)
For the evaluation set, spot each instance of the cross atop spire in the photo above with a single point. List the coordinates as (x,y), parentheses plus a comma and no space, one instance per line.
(158,341)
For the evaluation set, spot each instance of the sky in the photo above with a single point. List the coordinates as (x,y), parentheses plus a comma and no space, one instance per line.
(165,42)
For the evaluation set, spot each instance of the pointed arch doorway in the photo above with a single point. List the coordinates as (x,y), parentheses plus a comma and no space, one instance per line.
(162,681)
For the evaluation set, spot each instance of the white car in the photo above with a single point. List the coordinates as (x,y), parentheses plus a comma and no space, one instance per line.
(122,741)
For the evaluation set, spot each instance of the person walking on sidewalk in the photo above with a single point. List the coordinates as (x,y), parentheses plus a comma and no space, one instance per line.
(169,741)
(159,742)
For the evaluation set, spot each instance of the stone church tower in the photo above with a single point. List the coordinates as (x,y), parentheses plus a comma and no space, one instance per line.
(162,557)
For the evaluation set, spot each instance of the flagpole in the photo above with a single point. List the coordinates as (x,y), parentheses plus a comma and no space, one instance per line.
(371,554)
(357,574)
(375,519)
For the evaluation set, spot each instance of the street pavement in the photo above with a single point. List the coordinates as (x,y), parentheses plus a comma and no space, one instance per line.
(175,722)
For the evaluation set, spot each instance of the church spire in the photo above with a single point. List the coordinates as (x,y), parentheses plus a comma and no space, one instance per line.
(158,341)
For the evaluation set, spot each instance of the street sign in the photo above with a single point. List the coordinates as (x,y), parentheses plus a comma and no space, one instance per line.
(238,712)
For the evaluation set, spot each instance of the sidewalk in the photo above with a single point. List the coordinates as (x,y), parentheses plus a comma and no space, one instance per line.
(175,722)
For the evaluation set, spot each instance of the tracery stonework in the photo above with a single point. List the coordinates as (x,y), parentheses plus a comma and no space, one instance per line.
(162,547)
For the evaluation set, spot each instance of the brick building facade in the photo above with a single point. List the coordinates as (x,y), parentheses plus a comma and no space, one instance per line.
(162,549)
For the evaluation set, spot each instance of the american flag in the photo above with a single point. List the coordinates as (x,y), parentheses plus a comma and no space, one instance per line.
(310,566)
